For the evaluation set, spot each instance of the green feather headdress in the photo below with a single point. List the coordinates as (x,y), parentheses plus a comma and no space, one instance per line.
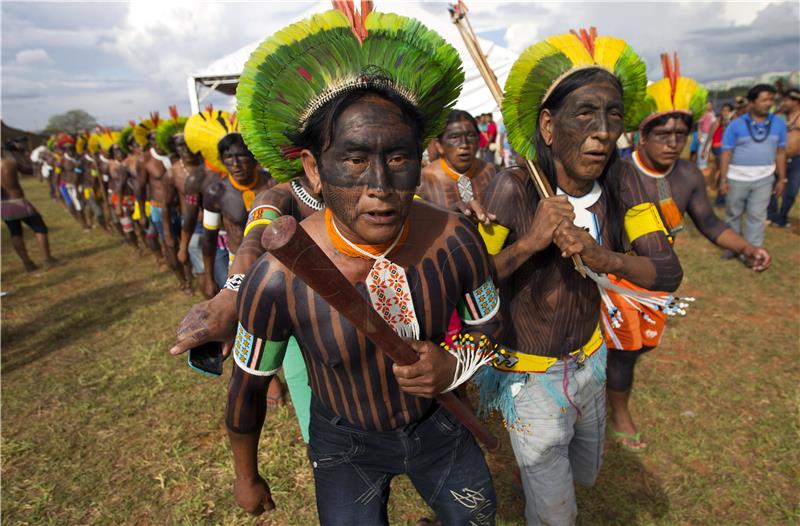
(673,94)
(299,69)
(168,128)
(541,67)
(125,137)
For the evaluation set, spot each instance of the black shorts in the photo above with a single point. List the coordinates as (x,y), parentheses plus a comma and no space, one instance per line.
(35,222)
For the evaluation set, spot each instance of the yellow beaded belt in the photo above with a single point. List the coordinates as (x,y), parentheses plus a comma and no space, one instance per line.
(517,362)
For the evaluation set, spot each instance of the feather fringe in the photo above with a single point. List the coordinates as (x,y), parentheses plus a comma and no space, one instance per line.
(297,70)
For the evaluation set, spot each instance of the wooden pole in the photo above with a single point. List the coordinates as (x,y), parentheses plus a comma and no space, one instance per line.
(458,15)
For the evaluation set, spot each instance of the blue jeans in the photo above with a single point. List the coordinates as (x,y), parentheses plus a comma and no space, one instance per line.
(194,250)
(353,469)
(554,443)
(780,216)
(749,198)
(221,267)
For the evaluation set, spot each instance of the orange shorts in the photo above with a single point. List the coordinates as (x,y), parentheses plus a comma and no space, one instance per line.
(641,327)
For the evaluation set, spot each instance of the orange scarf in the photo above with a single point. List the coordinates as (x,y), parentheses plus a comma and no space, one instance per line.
(344,247)
(248,196)
(452,174)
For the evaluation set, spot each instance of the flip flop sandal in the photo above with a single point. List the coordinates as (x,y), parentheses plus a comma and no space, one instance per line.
(621,438)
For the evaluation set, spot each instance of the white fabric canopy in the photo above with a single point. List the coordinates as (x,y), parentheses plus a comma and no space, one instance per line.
(223,74)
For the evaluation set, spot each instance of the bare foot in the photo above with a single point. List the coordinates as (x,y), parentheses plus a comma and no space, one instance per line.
(275,394)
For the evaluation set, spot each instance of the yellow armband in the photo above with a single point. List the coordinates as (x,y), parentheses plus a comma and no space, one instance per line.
(643,219)
(494,236)
(261,215)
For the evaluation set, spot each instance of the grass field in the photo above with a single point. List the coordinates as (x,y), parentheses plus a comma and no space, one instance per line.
(101,426)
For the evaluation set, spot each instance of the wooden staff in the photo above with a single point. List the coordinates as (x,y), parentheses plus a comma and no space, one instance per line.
(458,14)
(293,247)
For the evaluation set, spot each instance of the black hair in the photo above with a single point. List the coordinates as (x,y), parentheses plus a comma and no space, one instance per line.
(457,116)
(660,121)
(317,136)
(609,180)
(729,105)
(230,140)
(756,90)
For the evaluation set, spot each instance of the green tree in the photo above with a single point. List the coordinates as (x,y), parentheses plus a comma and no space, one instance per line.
(72,121)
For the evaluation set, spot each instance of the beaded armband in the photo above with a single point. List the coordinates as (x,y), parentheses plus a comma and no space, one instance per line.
(258,356)
(234,282)
(261,215)
(480,305)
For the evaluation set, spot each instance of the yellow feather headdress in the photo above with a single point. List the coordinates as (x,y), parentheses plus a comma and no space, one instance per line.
(204,130)
(673,94)
(143,129)
(541,67)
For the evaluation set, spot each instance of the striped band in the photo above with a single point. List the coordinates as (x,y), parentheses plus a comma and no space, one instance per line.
(211,220)
(258,356)
(480,305)
(261,215)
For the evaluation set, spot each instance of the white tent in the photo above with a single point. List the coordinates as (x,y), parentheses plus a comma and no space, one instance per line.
(223,74)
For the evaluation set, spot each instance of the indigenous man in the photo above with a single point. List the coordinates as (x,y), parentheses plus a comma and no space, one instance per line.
(138,146)
(226,203)
(17,210)
(89,184)
(203,133)
(457,177)
(564,106)
(215,319)
(171,146)
(151,172)
(128,190)
(360,137)
(71,171)
(676,186)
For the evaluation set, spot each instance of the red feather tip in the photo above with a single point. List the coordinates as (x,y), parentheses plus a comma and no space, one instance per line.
(356,19)
(154,117)
(210,108)
(173,112)
(132,123)
(587,38)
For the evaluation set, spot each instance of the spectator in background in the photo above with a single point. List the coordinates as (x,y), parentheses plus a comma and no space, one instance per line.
(714,144)
(741,105)
(488,131)
(753,153)
(625,145)
(703,130)
(790,106)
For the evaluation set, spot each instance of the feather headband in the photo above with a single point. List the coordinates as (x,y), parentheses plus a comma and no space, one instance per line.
(672,94)
(301,68)
(203,131)
(543,66)
(169,128)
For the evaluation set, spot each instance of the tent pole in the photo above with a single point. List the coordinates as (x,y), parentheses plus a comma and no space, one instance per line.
(194,104)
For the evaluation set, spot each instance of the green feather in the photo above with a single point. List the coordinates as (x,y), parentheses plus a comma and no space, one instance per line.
(124,138)
(312,60)
(697,104)
(632,74)
(167,129)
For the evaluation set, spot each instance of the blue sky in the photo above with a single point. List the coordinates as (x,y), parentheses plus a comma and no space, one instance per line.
(121,60)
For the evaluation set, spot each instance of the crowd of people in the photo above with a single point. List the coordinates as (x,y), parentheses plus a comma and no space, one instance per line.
(544,239)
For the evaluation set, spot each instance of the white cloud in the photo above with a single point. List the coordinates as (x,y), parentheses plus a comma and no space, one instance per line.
(33,56)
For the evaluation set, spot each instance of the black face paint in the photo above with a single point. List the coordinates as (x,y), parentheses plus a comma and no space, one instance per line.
(239,162)
(586,129)
(460,144)
(184,152)
(371,169)
(664,144)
